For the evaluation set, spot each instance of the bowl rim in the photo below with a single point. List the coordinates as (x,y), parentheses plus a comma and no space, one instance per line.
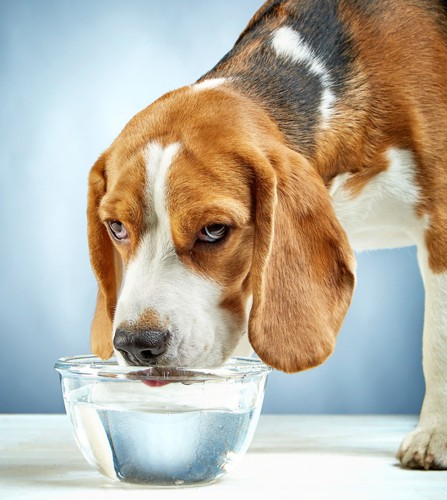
(91,366)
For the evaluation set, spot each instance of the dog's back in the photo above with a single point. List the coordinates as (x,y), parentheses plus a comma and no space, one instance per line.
(324,64)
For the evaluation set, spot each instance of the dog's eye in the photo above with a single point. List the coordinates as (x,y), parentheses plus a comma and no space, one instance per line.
(118,230)
(213,233)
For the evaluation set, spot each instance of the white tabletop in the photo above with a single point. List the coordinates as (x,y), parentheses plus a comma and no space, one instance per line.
(291,457)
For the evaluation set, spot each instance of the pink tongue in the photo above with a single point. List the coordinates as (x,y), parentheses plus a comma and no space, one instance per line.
(154,383)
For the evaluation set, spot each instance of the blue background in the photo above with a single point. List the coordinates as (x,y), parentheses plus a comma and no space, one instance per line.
(72,75)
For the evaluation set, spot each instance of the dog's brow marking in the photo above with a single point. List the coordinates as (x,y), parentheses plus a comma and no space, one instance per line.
(289,44)
(208,84)
(159,161)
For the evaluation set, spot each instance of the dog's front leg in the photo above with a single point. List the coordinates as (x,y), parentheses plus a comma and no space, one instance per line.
(426,447)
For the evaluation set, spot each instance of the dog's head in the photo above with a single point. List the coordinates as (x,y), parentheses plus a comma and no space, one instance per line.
(203,226)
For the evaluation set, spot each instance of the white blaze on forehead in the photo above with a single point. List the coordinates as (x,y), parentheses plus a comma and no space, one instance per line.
(158,161)
(289,44)
(208,84)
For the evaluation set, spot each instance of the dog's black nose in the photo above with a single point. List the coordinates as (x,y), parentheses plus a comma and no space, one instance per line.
(141,346)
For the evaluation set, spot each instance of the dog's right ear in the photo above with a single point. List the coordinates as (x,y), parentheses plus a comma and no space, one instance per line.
(105,262)
(303,270)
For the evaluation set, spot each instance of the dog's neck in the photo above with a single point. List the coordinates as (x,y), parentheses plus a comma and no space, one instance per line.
(294,66)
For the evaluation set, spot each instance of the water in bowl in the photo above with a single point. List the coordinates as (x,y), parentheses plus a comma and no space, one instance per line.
(151,444)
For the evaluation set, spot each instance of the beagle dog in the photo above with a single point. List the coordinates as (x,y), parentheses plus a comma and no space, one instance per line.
(225,214)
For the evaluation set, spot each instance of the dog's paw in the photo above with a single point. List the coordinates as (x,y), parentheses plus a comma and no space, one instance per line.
(424,448)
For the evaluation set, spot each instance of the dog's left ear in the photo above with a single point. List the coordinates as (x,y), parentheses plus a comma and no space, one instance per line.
(105,262)
(303,267)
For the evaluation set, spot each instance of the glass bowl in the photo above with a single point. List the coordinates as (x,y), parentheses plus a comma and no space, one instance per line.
(162,426)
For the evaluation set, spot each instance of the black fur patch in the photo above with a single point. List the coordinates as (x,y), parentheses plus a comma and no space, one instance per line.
(289,91)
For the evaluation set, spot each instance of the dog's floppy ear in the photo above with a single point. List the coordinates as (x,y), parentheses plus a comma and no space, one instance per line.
(105,263)
(303,267)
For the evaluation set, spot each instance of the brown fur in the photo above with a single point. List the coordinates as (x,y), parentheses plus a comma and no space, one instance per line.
(149,320)
(399,100)
(106,255)
(303,267)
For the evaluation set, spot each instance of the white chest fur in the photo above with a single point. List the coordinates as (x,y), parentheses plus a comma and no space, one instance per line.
(383,214)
